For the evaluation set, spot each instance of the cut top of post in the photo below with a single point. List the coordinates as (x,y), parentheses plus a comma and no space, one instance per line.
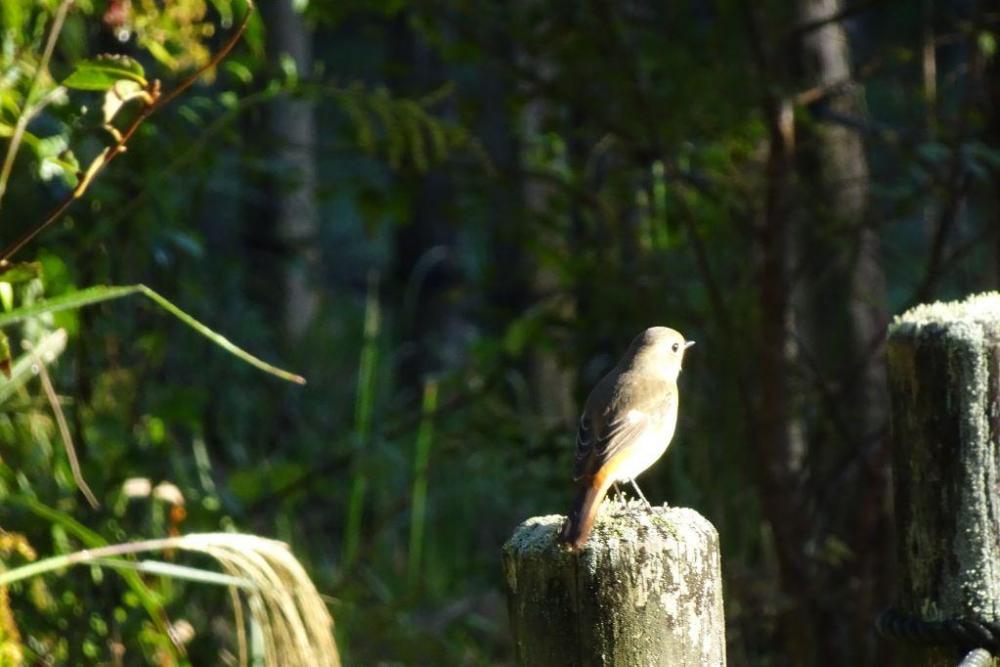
(977,310)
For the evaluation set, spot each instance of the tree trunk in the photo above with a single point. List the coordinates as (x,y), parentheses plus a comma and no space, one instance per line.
(780,450)
(507,278)
(842,289)
(552,382)
(293,126)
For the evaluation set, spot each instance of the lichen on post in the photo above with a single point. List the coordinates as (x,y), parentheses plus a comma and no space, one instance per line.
(646,589)
(944,373)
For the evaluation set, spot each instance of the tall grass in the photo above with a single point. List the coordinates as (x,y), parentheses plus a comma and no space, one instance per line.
(421,459)
(364,407)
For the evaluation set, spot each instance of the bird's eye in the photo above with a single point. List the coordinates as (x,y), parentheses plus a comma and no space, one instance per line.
(675,347)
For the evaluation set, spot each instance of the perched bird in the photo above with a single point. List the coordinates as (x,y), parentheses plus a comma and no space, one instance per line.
(627,423)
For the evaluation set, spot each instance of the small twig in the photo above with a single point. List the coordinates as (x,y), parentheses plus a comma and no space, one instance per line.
(74,462)
(29,111)
(155,103)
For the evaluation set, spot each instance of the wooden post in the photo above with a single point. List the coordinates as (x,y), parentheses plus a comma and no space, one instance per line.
(944,370)
(646,589)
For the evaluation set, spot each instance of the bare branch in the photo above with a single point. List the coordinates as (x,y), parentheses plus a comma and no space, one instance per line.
(154,103)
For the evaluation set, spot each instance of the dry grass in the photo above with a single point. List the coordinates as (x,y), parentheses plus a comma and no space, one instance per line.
(286,611)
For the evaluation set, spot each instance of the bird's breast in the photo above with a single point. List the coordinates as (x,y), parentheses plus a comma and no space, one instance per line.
(646,450)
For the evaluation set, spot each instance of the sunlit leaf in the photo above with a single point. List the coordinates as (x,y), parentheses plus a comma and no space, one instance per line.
(118,95)
(20,272)
(103,72)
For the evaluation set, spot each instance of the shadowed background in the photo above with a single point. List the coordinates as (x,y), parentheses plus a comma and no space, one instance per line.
(452,217)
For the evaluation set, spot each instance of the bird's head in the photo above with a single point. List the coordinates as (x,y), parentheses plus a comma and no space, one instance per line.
(659,350)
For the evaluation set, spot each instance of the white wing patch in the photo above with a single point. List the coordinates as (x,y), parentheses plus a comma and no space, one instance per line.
(634,416)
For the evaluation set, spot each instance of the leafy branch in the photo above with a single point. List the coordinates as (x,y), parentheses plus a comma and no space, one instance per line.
(124,80)
(408,129)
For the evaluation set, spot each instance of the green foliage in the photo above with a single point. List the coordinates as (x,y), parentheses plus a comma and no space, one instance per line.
(403,130)
(103,72)
(177,34)
(31,98)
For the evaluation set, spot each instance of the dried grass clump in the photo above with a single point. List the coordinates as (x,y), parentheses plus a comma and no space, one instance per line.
(283,602)
(287,616)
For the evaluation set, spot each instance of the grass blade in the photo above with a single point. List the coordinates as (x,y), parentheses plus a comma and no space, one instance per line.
(421,459)
(363,421)
(101,293)
(174,571)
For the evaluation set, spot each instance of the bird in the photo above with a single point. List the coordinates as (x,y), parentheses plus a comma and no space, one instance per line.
(626,425)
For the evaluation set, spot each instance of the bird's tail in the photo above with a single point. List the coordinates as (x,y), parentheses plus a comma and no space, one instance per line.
(580,521)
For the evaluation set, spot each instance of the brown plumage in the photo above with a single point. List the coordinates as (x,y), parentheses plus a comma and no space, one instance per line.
(626,425)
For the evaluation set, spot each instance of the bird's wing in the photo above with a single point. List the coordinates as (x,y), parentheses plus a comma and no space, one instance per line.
(594,449)
(585,441)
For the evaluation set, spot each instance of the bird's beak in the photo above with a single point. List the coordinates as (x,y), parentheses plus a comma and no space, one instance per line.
(688,344)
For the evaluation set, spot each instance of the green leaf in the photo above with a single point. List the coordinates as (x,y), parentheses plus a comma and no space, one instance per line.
(100,293)
(14,15)
(20,272)
(102,72)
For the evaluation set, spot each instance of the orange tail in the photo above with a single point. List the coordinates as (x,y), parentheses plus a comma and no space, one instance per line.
(580,521)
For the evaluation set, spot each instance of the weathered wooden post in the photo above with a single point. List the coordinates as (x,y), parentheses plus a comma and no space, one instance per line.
(944,372)
(645,590)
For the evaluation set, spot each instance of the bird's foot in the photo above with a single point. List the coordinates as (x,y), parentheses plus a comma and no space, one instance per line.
(641,496)
(619,502)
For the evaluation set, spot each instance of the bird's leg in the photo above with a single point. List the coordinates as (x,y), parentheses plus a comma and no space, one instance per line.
(619,494)
(637,490)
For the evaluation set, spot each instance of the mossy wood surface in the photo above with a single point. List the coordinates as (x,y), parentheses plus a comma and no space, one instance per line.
(944,370)
(645,590)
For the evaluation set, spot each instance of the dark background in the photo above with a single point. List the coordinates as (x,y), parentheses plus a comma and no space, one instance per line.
(452,217)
